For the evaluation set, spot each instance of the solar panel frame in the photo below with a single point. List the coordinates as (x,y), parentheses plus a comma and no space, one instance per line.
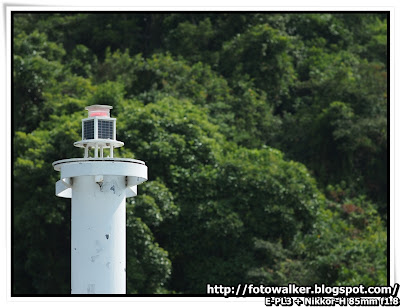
(88,129)
(105,129)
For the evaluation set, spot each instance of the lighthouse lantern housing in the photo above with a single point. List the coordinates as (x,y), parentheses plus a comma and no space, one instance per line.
(99,131)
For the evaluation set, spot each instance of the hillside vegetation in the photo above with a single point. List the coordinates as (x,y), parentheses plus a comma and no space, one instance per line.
(265,136)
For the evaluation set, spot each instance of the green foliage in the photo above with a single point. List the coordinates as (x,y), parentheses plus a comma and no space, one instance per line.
(353,242)
(82,62)
(39,219)
(109,92)
(243,117)
(262,53)
(265,137)
(37,66)
(148,264)
(193,41)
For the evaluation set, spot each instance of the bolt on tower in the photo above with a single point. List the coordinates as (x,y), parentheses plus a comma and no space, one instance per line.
(98,187)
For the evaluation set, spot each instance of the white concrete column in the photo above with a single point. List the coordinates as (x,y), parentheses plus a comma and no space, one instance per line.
(98,239)
(111,151)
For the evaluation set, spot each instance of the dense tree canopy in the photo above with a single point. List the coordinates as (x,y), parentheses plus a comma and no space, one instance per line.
(265,136)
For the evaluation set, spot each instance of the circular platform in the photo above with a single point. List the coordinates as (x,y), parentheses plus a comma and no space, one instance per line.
(105,143)
(57,164)
(135,172)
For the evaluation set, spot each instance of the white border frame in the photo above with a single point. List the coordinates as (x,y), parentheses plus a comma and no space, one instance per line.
(214,5)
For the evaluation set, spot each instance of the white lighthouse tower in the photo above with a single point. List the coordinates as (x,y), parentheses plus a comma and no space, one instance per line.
(98,186)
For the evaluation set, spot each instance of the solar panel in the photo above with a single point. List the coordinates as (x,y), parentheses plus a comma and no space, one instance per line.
(88,130)
(105,129)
